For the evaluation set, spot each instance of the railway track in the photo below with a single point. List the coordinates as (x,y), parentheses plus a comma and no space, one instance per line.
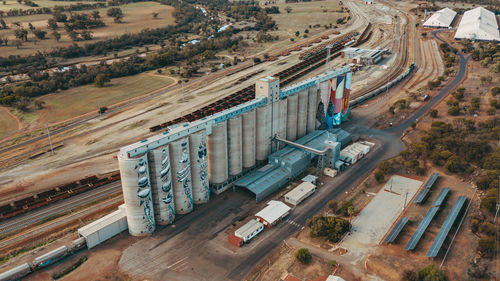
(398,68)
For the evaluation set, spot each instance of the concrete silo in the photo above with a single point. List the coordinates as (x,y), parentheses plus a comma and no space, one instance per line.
(291,117)
(248,141)
(263,133)
(136,187)
(199,167)
(161,184)
(234,139)
(217,154)
(302,113)
(280,130)
(181,175)
(312,107)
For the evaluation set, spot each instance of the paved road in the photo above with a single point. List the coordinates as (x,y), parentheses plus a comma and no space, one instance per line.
(58,208)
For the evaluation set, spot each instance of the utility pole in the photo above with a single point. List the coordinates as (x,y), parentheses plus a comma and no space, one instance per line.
(50,140)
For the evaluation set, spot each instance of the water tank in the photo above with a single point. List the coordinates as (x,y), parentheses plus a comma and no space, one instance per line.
(312,107)
(217,154)
(263,133)
(136,187)
(181,176)
(199,167)
(302,113)
(161,185)
(234,140)
(291,117)
(248,141)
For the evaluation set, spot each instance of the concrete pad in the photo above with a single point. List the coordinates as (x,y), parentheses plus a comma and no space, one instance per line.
(373,222)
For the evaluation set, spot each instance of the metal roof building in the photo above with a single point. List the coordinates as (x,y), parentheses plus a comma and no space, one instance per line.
(249,230)
(104,228)
(441,18)
(273,213)
(478,24)
(284,165)
(300,193)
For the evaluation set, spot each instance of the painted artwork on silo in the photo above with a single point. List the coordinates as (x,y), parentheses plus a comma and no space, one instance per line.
(347,94)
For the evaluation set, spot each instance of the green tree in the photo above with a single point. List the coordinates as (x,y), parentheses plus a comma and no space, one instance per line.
(52,24)
(454,110)
(433,113)
(56,35)
(21,34)
(288,9)
(431,273)
(100,80)
(115,13)
(303,255)
(379,176)
(40,34)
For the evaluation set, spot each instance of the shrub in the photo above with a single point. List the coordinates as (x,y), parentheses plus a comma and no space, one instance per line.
(431,273)
(486,246)
(454,110)
(379,176)
(303,255)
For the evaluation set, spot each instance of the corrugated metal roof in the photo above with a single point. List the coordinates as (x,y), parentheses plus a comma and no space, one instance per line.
(248,228)
(300,190)
(478,24)
(441,18)
(274,211)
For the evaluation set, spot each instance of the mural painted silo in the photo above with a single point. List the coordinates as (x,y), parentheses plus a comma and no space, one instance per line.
(199,167)
(161,183)
(136,187)
(181,176)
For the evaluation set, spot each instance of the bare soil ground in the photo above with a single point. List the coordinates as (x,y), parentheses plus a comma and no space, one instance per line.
(282,261)
(137,16)
(391,260)
(8,123)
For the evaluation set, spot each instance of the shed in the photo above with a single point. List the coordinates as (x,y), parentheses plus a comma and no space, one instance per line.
(104,228)
(273,213)
(478,24)
(441,18)
(300,193)
(249,230)
(310,178)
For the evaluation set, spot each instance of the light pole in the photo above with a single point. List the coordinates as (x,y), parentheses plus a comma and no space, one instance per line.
(50,140)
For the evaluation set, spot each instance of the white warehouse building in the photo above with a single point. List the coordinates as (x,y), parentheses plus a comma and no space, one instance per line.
(300,193)
(441,18)
(478,24)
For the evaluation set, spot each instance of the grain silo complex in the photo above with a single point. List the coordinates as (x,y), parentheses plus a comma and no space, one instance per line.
(165,175)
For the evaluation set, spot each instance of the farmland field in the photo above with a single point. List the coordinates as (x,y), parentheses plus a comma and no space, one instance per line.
(77,101)
(137,16)
(13,4)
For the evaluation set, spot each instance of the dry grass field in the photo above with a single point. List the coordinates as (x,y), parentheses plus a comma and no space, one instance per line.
(13,4)
(8,125)
(80,100)
(315,14)
(137,16)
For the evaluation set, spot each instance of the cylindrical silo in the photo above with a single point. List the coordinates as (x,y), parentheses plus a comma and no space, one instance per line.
(199,167)
(281,128)
(302,113)
(161,185)
(137,195)
(234,141)
(248,141)
(263,133)
(291,117)
(217,154)
(181,176)
(312,106)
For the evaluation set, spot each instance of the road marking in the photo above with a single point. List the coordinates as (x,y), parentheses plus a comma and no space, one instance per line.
(181,260)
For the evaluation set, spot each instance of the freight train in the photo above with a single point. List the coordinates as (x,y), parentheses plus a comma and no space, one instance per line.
(374,93)
(42,261)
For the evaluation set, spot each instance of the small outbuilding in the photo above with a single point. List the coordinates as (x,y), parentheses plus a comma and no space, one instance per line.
(104,228)
(273,213)
(249,230)
(300,193)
